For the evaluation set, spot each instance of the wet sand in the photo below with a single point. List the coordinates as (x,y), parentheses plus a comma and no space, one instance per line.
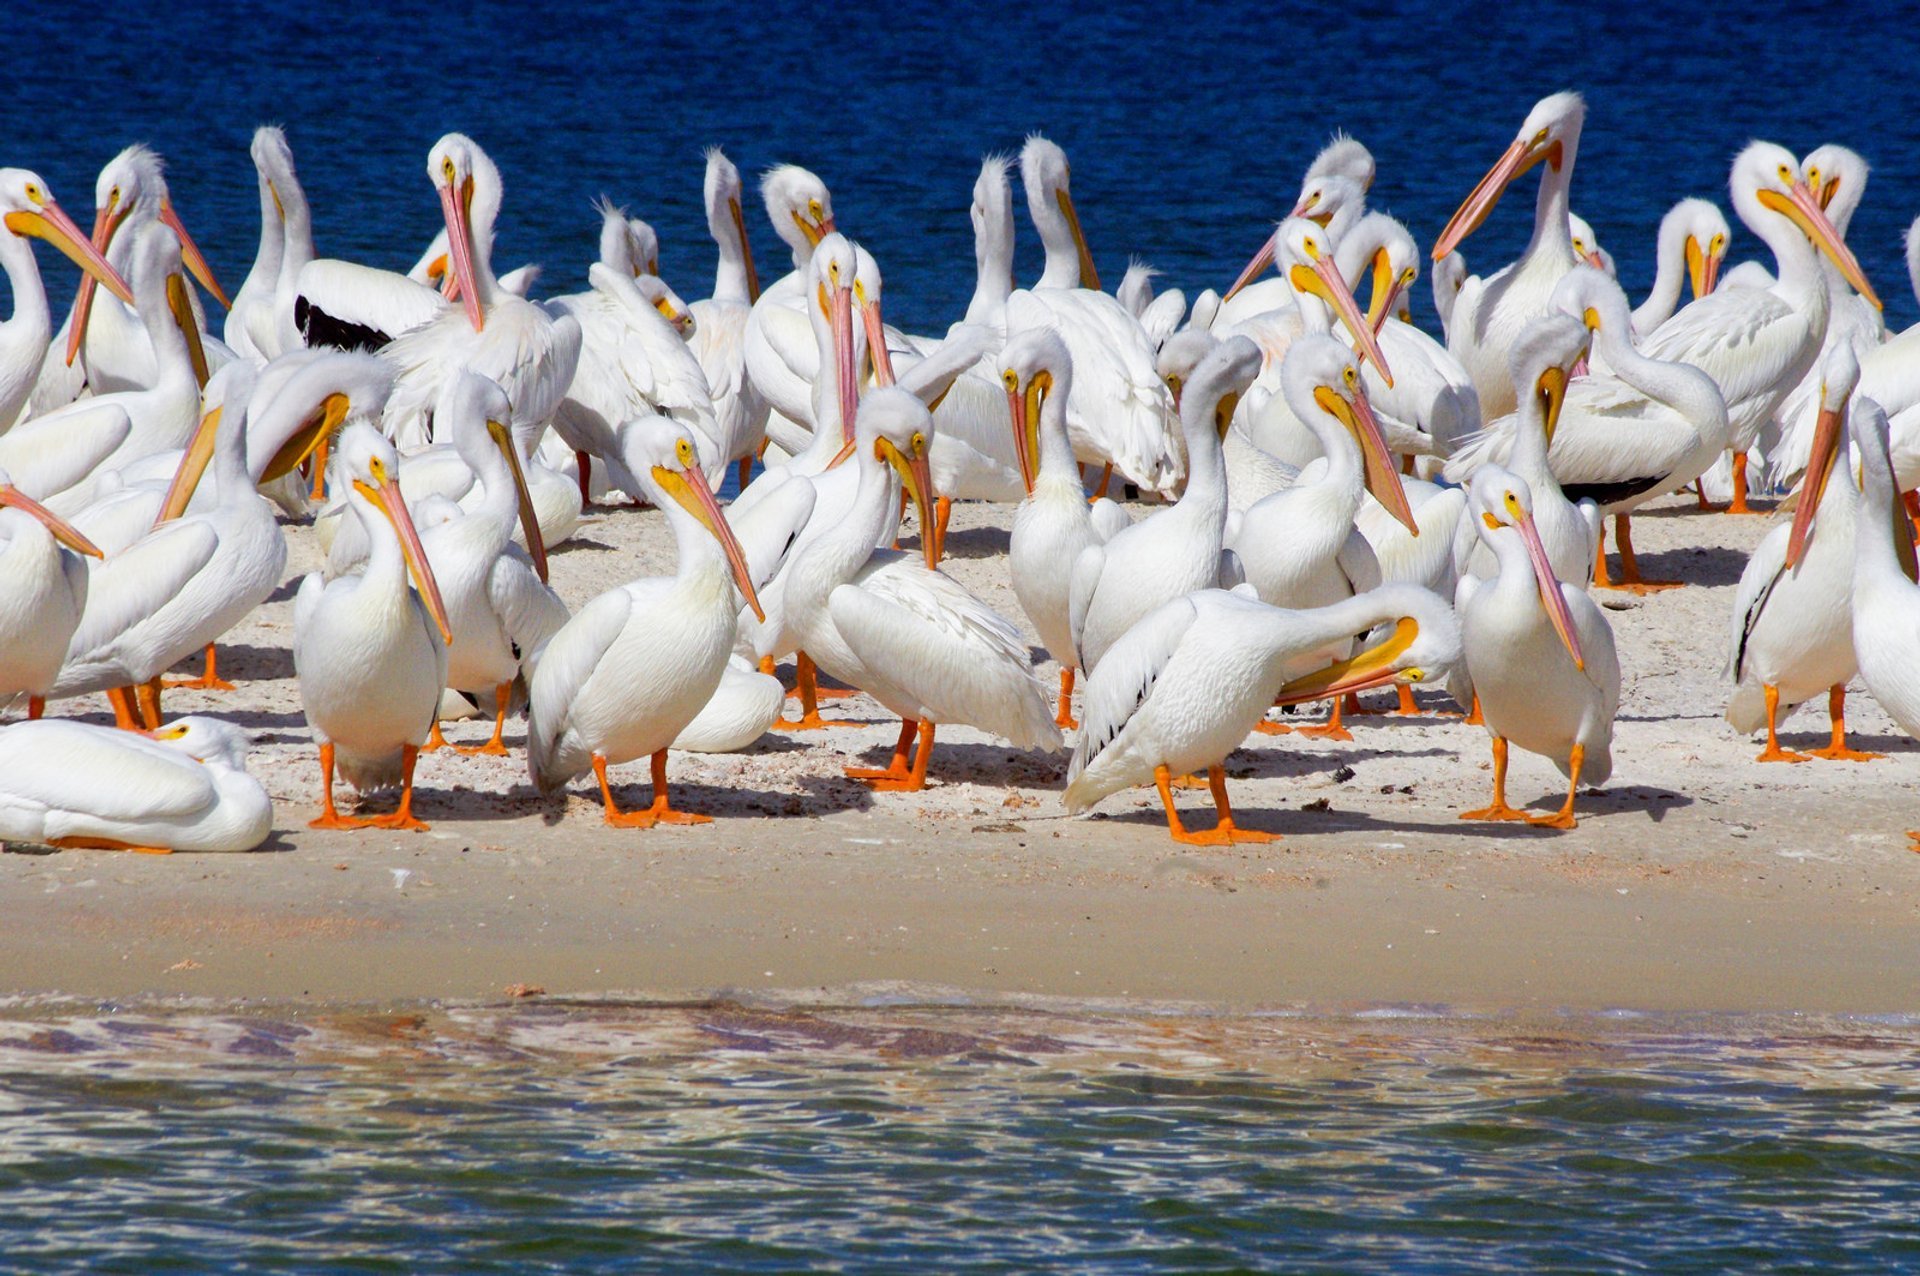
(1698,880)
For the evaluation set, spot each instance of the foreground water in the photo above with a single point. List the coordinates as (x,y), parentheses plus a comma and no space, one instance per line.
(939,1138)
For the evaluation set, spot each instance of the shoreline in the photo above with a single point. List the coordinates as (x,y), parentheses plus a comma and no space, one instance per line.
(1697,881)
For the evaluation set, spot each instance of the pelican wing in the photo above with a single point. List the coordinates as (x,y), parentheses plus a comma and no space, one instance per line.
(61,766)
(1762,574)
(1110,518)
(557,671)
(529,611)
(1748,340)
(133,584)
(1125,679)
(1083,582)
(353,307)
(52,453)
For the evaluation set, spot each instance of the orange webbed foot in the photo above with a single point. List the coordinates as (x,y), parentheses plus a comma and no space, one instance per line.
(399,822)
(1326,731)
(1774,753)
(1267,726)
(335,820)
(1558,820)
(491,749)
(1844,754)
(1498,811)
(1223,834)
(808,722)
(202,683)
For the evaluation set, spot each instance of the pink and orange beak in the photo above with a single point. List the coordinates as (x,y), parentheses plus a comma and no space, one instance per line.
(190,254)
(916,477)
(1376,666)
(193,464)
(64,532)
(1703,269)
(1802,207)
(1025,412)
(746,250)
(387,499)
(1827,432)
(1255,267)
(876,339)
(87,252)
(457,207)
(840,311)
(689,488)
(1515,161)
(1551,597)
(1381,476)
(1323,279)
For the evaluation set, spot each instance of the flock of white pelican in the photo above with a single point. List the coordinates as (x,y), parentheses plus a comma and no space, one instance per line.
(1330,500)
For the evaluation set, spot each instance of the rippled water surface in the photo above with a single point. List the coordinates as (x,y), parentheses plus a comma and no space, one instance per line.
(723,1136)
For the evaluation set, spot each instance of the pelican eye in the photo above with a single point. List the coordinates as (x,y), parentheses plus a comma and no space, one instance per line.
(1579,247)
(1413,675)
(1786,174)
(1010,379)
(1175,381)
(833,272)
(860,292)
(1310,200)
(377,469)
(1813,177)
(1352,377)
(918,443)
(1540,138)
(1717,245)
(33,193)
(1312,249)
(683,451)
(1406,276)
(813,209)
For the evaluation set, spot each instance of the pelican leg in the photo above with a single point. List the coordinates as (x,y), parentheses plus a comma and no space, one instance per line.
(1629,565)
(402,816)
(208,681)
(1409,707)
(36,708)
(896,769)
(1773,751)
(805,684)
(329,817)
(435,741)
(147,694)
(1223,832)
(1474,717)
(1499,810)
(1351,706)
(942,510)
(1738,505)
(746,470)
(126,714)
(1563,818)
(319,463)
(659,812)
(584,462)
(1106,477)
(1700,494)
(915,777)
(1330,729)
(1064,718)
(1838,750)
(495,747)
(105,844)
(1912,500)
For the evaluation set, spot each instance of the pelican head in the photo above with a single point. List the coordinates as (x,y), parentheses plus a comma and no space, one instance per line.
(1837,176)
(800,208)
(223,427)
(1586,244)
(1419,639)
(372,469)
(469,189)
(830,277)
(28,210)
(1331,201)
(66,533)
(135,180)
(273,158)
(1343,157)
(1550,133)
(481,416)
(896,429)
(161,292)
(1592,297)
(1034,367)
(722,190)
(1839,374)
(1210,394)
(1504,505)
(618,251)
(307,396)
(992,215)
(1387,251)
(1048,177)
(1768,183)
(1321,371)
(1179,355)
(668,302)
(1877,483)
(1696,230)
(867,289)
(1306,257)
(662,453)
(1544,358)
(206,740)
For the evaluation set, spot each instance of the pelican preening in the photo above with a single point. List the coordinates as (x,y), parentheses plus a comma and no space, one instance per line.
(1329,474)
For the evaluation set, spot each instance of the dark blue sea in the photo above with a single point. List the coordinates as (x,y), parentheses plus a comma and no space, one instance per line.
(614,1136)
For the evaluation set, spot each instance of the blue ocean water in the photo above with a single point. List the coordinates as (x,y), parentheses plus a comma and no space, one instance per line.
(1188,129)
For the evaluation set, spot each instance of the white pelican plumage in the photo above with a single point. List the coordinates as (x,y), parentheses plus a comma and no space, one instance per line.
(1792,631)
(1123,415)
(496,595)
(904,633)
(526,351)
(1886,600)
(28,211)
(1251,472)
(720,319)
(369,651)
(1641,429)
(184,788)
(1586,245)
(1178,550)
(260,324)
(778,341)
(107,343)
(1756,343)
(1538,653)
(1489,312)
(635,666)
(1183,688)
(740,710)
(1689,250)
(1333,195)
(1053,524)
(43,592)
(189,580)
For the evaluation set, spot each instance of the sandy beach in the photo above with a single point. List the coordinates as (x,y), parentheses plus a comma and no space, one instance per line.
(1698,880)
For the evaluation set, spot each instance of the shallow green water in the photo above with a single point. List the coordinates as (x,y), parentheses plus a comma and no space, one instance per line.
(952,1138)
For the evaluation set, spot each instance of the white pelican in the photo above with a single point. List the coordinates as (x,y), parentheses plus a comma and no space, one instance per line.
(1586,245)
(189,580)
(1792,632)
(498,604)
(1053,524)
(1122,414)
(1755,343)
(1690,249)
(1251,472)
(43,592)
(1183,688)
(778,343)
(1449,277)
(1177,551)
(1488,314)
(905,634)
(130,195)
(528,352)
(1538,653)
(1334,200)
(28,211)
(1644,428)
(1886,601)
(184,788)
(740,710)
(634,667)
(369,652)
(252,329)
(720,320)
(1543,363)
